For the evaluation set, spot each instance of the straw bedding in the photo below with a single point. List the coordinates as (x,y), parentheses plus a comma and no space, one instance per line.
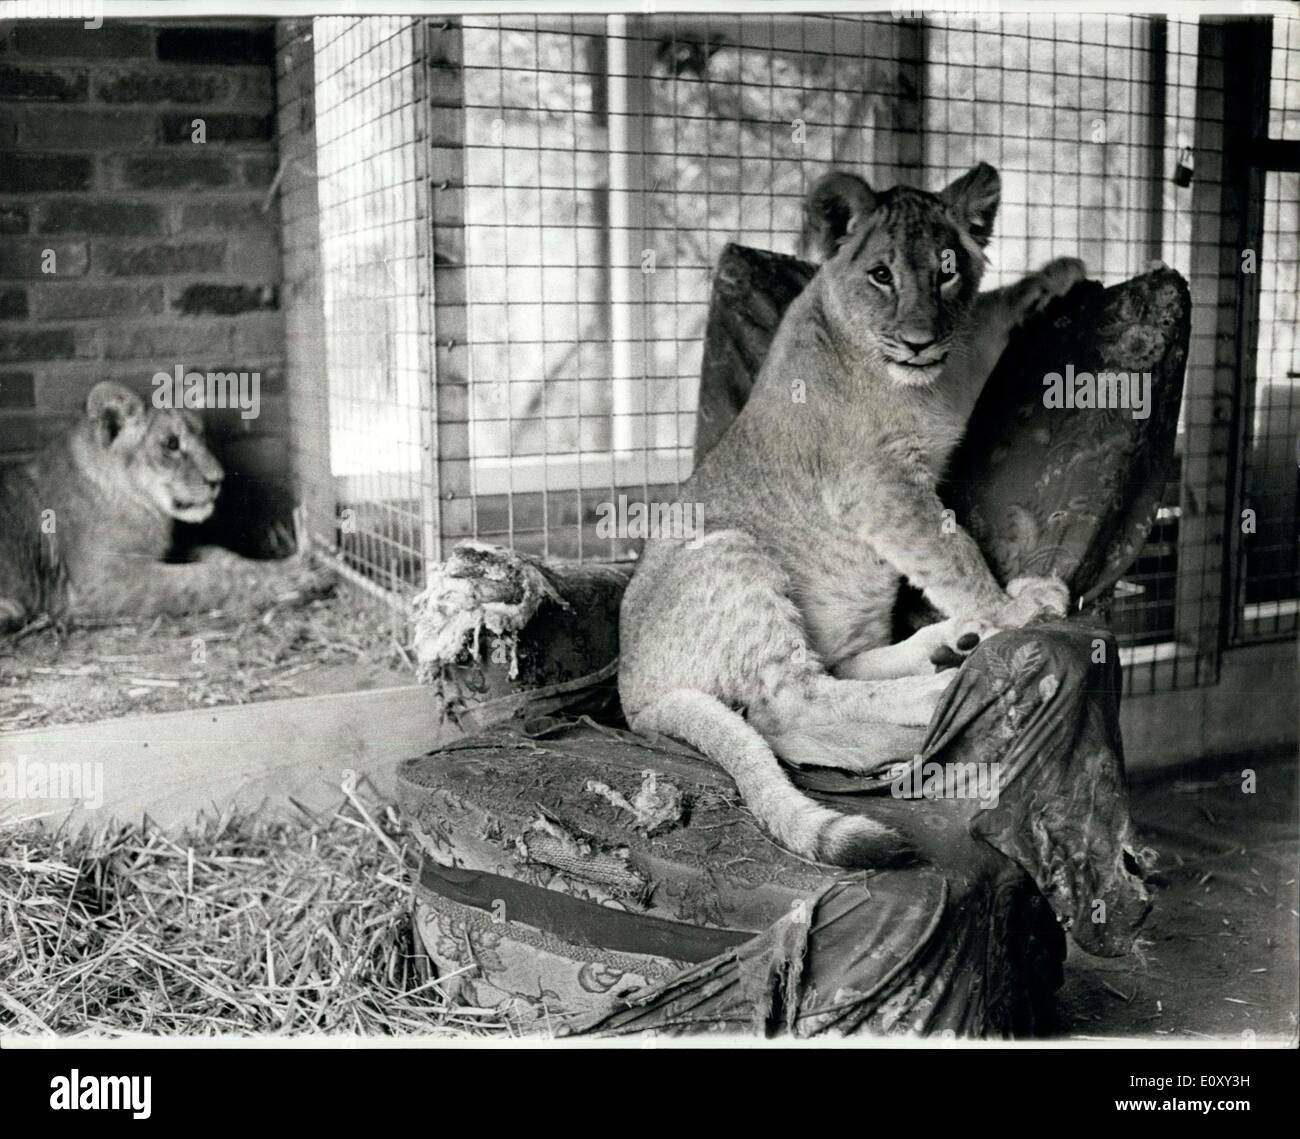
(241,924)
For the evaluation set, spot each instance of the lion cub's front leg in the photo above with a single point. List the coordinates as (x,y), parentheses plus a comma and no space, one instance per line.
(906,524)
(993,319)
(130,586)
(944,562)
(946,644)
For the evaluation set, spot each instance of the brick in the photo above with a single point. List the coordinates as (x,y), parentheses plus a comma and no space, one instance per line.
(17,389)
(94,302)
(14,219)
(62,387)
(90,339)
(161,259)
(257,336)
(229,217)
(217,45)
(43,84)
(254,260)
(36,173)
(255,85)
(45,344)
(75,215)
(225,300)
(162,85)
(258,170)
(68,128)
(71,39)
(174,170)
(177,127)
(27,432)
(167,345)
(13,304)
(28,258)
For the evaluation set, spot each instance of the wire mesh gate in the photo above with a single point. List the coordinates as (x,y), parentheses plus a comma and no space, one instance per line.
(520,217)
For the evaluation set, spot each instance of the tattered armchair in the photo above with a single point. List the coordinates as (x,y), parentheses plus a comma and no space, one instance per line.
(588,880)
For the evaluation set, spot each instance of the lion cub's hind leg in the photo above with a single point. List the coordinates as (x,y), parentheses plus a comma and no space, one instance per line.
(714,655)
(854,725)
(909,701)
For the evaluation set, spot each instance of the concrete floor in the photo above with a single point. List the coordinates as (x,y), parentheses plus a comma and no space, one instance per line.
(1219,956)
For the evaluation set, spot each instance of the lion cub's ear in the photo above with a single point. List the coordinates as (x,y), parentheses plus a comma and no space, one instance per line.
(835,208)
(973,201)
(112,406)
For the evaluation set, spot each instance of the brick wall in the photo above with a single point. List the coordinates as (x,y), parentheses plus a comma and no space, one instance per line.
(127,247)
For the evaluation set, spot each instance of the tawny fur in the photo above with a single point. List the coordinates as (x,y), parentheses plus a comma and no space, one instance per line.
(88,522)
(822,497)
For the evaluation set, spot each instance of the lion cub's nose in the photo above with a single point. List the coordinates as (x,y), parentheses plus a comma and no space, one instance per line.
(214,483)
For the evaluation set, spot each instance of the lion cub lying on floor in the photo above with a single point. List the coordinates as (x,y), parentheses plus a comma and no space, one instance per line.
(86,525)
(778,621)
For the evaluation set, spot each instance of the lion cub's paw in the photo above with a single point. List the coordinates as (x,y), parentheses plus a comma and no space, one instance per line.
(1054,279)
(1033,597)
(958,638)
(304,579)
(1062,274)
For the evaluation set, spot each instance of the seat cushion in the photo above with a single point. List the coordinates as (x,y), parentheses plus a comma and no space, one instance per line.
(578,878)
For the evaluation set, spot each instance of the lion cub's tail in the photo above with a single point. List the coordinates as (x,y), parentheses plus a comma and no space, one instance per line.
(795,821)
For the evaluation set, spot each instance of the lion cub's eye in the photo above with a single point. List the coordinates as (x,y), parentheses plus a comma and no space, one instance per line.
(881,275)
(173,443)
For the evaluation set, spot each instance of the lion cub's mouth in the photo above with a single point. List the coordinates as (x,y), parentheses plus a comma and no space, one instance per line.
(186,510)
(914,374)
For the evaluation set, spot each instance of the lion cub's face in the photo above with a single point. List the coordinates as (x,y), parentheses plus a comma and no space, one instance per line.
(156,456)
(901,268)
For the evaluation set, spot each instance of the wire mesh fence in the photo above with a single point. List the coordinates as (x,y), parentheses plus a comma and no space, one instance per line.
(1267,576)
(371,178)
(520,217)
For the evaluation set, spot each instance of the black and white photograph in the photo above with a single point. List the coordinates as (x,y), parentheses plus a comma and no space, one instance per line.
(660,525)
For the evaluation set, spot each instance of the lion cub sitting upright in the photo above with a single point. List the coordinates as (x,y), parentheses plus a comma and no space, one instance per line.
(778,621)
(87,523)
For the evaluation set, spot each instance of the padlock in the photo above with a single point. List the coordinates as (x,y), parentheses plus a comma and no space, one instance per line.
(1183,171)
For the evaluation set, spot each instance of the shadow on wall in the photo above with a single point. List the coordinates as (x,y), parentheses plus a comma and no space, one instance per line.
(254,515)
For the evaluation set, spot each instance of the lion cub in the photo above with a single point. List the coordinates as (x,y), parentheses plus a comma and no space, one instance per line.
(87,524)
(778,621)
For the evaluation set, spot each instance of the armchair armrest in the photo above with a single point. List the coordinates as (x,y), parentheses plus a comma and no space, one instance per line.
(497,631)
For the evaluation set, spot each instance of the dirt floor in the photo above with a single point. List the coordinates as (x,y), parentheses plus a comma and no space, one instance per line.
(1220,954)
(166,665)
